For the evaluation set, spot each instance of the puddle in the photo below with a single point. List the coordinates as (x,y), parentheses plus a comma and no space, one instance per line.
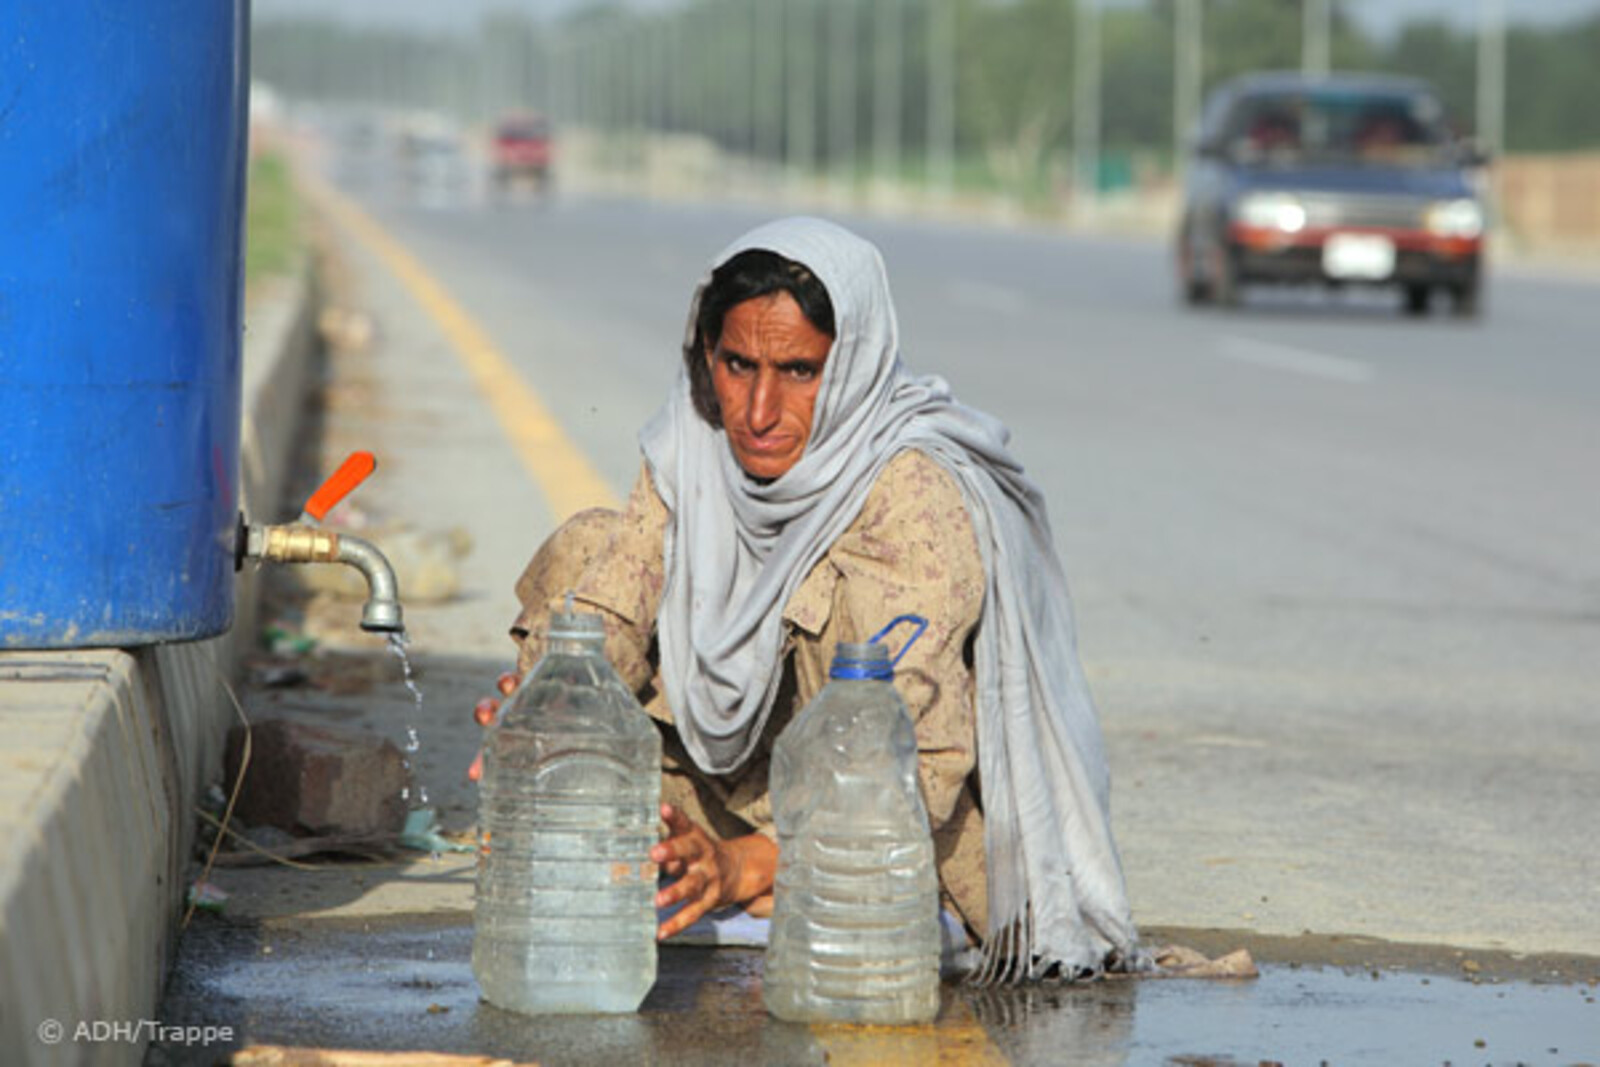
(1310,1016)
(408,984)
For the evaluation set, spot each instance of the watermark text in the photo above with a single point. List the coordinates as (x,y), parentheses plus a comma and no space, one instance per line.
(131,1032)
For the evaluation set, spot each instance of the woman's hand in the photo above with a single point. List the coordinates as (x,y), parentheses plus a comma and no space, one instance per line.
(484,711)
(711,874)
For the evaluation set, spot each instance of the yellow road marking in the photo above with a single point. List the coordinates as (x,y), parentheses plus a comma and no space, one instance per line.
(563,474)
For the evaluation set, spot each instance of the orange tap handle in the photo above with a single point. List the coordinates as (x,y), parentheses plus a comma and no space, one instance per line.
(351,473)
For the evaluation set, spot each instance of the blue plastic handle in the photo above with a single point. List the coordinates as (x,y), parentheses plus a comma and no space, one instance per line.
(922,624)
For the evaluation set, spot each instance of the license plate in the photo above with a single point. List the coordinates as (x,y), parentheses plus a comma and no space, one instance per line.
(1367,256)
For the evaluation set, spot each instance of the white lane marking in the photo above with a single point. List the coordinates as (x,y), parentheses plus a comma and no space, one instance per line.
(1296,360)
(986,296)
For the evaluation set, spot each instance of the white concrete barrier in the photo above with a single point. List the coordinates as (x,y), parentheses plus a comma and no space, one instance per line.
(103,754)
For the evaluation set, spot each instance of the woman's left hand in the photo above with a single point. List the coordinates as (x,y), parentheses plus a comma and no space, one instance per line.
(710,874)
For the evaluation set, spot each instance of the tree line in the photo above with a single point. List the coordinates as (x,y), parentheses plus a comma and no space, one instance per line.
(884,83)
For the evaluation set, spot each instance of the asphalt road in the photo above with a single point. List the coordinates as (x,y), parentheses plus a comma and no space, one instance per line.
(1335,569)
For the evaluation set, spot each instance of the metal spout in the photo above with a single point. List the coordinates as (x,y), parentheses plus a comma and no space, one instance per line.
(298,543)
(382,611)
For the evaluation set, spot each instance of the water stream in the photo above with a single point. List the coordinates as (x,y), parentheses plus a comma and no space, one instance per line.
(398,643)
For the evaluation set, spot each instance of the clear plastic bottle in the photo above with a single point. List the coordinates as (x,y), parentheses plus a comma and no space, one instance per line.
(855,924)
(568,811)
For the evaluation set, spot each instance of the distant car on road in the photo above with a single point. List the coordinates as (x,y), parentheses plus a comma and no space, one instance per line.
(434,168)
(521,151)
(1340,179)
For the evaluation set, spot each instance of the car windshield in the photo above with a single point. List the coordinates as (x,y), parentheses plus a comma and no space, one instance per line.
(531,130)
(1343,126)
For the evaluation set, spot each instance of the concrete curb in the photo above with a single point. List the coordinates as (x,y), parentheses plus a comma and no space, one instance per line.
(103,754)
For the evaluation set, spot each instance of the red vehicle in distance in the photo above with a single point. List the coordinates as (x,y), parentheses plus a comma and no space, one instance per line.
(521,152)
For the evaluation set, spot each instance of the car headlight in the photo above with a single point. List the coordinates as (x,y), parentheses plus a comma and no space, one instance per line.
(1454,218)
(1273,211)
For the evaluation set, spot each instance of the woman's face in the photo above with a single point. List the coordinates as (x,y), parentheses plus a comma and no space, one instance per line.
(766,370)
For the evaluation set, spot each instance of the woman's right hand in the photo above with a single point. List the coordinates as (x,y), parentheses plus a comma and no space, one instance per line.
(485,711)
(711,874)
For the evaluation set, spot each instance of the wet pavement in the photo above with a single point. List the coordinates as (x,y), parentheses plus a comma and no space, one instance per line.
(406,984)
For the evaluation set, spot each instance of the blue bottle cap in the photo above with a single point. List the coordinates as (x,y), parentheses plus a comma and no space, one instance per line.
(856,662)
(870,659)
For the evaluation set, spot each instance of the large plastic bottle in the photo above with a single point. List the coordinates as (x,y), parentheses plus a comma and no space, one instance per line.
(568,811)
(855,924)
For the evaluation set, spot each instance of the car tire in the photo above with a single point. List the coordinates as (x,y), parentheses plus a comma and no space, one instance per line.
(1225,276)
(1191,285)
(1196,290)
(1466,300)
(1417,296)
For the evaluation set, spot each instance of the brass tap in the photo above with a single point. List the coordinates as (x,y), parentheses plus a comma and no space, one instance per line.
(293,543)
(306,542)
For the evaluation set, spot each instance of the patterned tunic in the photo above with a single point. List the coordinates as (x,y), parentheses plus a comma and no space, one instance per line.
(911,550)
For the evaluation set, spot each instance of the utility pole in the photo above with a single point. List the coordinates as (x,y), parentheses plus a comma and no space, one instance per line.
(1086,109)
(692,91)
(619,59)
(842,82)
(748,47)
(941,144)
(594,97)
(665,80)
(644,45)
(1187,79)
(554,61)
(676,71)
(886,89)
(639,53)
(1316,28)
(743,65)
(800,142)
(613,47)
(733,87)
(706,47)
(769,51)
(1492,75)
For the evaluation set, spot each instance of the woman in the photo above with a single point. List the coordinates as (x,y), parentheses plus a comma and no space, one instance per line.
(800,488)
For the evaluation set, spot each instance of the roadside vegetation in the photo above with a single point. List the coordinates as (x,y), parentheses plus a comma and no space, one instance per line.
(272,219)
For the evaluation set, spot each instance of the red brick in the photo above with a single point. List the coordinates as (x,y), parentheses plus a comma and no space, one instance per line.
(313,779)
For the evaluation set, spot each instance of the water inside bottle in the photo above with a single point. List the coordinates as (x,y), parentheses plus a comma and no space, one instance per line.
(855,928)
(568,812)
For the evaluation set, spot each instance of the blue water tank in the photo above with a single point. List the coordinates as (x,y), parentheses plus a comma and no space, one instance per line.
(122,170)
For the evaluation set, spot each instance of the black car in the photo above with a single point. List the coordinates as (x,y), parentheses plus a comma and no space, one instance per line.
(1340,179)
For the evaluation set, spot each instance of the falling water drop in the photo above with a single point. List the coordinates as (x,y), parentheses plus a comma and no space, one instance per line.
(413,743)
(397,644)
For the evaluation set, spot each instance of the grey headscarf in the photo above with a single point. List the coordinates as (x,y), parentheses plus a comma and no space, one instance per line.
(736,550)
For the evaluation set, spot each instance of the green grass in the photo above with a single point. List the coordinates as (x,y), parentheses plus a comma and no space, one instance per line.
(272,220)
